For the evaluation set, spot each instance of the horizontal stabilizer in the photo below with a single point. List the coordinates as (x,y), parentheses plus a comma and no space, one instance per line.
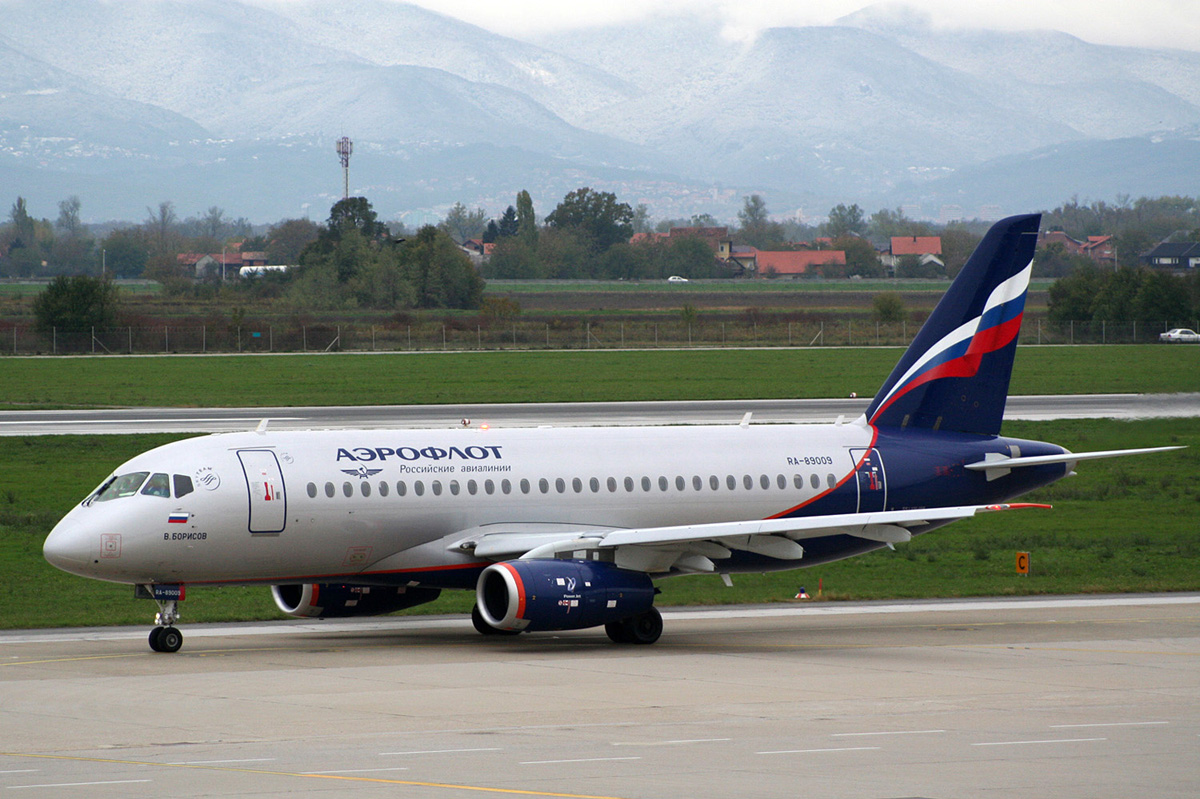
(1066,457)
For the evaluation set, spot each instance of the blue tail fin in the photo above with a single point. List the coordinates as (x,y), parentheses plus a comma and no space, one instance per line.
(955,374)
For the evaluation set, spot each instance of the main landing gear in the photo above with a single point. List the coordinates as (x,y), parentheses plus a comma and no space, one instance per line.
(644,628)
(165,637)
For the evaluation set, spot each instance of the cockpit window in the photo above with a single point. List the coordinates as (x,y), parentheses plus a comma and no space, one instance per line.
(183,485)
(124,485)
(159,485)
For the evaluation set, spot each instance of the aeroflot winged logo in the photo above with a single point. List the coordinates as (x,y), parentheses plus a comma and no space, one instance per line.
(959,353)
(362,471)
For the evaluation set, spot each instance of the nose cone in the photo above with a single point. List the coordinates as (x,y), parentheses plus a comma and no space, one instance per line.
(70,548)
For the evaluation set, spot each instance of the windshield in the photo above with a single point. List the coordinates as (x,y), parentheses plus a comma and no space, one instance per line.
(124,485)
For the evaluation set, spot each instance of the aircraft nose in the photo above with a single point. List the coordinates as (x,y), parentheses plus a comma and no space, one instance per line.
(69,548)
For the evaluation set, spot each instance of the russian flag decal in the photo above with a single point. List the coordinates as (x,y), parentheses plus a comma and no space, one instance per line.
(178,518)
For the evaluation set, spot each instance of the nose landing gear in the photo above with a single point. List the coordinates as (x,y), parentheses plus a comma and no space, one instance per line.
(164,637)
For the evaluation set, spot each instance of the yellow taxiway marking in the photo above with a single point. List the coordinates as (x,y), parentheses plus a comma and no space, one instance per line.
(307,775)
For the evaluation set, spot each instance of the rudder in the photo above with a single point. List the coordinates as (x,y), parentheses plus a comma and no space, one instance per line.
(955,374)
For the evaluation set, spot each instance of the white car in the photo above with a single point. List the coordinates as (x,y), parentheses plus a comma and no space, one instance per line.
(1180,335)
(677,279)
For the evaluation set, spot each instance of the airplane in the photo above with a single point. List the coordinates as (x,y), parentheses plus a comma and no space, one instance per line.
(563,528)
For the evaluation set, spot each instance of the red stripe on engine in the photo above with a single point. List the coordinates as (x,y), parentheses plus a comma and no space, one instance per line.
(520,589)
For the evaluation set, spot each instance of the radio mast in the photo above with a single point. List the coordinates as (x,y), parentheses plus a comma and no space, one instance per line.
(344,147)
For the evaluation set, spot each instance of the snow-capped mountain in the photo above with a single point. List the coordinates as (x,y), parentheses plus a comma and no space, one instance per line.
(237,103)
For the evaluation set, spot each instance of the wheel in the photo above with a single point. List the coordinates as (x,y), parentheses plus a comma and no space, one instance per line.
(169,640)
(154,635)
(616,632)
(483,628)
(644,628)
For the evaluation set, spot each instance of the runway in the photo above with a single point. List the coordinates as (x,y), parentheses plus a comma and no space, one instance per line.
(1075,696)
(214,420)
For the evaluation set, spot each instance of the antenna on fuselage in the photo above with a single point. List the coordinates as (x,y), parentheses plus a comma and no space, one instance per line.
(262,427)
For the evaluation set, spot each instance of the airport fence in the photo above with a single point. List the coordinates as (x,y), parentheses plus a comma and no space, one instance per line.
(553,335)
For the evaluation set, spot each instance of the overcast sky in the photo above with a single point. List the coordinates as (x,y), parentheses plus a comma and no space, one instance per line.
(1155,23)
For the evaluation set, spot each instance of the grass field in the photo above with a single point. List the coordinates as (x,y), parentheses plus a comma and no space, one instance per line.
(1120,525)
(580,376)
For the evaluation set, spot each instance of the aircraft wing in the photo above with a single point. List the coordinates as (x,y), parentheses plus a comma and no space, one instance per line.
(694,547)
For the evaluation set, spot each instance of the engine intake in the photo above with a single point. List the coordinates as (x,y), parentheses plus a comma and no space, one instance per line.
(560,594)
(330,601)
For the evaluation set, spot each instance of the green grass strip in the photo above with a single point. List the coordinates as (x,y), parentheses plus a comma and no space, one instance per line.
(577,376)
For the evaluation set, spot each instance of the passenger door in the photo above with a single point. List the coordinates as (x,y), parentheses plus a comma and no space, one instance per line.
(264,486)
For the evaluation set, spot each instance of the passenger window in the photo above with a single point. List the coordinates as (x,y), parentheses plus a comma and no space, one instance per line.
(747,481)
(436,485)
(347,489)
(764,481)
(401,488)
(697,483)
(781,481)
(714,482)
(454,487)
(576,485)
(489,487)
(383,489)
(329,490)
(831,480)
(159,485)
(815,481)
(645,483)
(365,488)
(662,483)
(419,488)
(731,481)
(594,484)
(183,486)
(312,490)
(629,484)
(524,486)
(544,486)
(506,486)
(798,481)
(612,485)
(472,487)
(560,485)
(124,486)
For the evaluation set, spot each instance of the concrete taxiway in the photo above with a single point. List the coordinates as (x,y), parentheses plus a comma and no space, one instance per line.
(215,420)
(1095,696)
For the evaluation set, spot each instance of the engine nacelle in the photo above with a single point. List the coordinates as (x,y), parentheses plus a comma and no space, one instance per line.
(560,594)
(341,601)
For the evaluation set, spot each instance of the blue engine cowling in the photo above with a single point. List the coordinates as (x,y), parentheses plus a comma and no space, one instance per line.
(331,601)
(521,595)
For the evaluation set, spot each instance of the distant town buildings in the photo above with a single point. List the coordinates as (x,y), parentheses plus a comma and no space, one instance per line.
(1101,249)
(1176,257)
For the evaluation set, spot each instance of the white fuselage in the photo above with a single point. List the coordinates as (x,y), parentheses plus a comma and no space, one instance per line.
(321,505)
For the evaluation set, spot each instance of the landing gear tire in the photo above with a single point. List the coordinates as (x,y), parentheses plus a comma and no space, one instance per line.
(483,628)
(645,628)
(166,639)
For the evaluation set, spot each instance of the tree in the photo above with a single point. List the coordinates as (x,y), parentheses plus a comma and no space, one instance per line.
(23,225)
(440,273)
(125,252)
(354,214)
(286,240)
(888,307)
(845,221)
(76,303)
(527,227)
(641,219)
(68,217)
(212,224)
(596,215)
(462,224)
(1072,297)
(861,257)
(508,225)
(757,229)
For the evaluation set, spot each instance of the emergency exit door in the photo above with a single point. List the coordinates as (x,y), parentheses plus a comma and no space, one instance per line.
(264,485)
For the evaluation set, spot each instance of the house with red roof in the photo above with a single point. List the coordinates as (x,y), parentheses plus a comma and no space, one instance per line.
(1101,249)
(779,263)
